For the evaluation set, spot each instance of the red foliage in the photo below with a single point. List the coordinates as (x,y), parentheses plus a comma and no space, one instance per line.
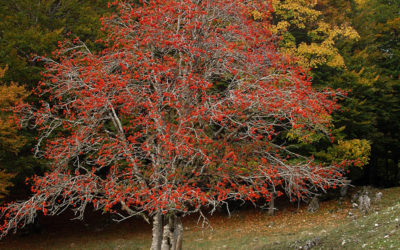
(180,111)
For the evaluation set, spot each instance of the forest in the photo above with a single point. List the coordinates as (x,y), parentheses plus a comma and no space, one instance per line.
(166,110)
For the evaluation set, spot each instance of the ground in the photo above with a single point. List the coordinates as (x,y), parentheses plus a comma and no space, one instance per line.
(336,225)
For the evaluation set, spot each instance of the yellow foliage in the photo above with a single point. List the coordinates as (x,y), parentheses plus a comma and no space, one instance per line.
(368,78)
(308,136)
(360,3)
(3,71)
(315,54)
(11,95)
(356,150)
(305,136)
(10,141)
(298,12)
(257,15)
(301,14)
(5,183)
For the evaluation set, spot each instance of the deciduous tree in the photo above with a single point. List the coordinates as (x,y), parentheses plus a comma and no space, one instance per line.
(308,34)
(180,112)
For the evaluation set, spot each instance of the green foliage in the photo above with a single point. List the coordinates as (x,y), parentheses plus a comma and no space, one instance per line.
(374,62)
(34,27)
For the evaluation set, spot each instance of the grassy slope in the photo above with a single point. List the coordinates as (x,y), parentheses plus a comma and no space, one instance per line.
(249,229)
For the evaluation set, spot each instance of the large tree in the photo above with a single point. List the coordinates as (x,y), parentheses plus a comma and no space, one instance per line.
(180,112)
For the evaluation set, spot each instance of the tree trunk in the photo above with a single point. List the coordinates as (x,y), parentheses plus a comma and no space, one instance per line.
(166,239)
(157,232)
(345,188)
(314,205)
(370,171)
(395,159)
(178,234)
(271,207)
(172,234)
(387,173)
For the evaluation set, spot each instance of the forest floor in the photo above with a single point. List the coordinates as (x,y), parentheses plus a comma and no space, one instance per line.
(336,225)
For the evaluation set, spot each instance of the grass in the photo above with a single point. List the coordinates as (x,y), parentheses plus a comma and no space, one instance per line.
(330,227)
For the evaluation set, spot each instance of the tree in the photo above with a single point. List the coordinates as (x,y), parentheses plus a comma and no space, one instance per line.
(179,113)
(10,141)
(307,33)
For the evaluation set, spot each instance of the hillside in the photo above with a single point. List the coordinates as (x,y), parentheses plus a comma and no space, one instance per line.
(336,225)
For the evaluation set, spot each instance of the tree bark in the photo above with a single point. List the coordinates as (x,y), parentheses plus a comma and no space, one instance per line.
(395,160)
(172,223)
(166,239)
(178,233)
(271,207)
(172,234)
(371,173)
(345,188)
(157,232)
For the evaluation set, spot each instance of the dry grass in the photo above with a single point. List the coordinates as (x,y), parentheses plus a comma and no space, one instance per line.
(247,229)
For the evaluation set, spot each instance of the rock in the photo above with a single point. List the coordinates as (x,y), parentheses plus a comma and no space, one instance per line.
(360,192)
(98,228)
(313,205)
(310,243)
(364,203)
(355,197)
(345,188)
(378,197)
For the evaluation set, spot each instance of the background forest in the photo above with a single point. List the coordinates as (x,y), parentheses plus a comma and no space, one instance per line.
(353,45)
(349,48)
